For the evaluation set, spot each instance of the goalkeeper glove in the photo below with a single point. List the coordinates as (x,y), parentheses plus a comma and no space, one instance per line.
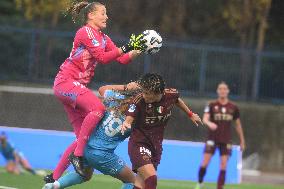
(135,43)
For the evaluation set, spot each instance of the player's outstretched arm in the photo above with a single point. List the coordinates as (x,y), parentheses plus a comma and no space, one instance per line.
(127,124)
(129,86)
(193,116)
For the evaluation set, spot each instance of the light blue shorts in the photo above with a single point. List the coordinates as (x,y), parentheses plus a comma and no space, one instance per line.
(106,162)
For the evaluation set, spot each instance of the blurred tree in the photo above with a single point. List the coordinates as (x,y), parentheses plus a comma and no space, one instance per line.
(41,12)
(249,19)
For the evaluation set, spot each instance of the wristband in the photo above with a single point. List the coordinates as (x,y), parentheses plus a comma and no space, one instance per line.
(190,113)
(126,48)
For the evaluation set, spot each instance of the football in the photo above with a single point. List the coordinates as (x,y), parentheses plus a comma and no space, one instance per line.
(153,41)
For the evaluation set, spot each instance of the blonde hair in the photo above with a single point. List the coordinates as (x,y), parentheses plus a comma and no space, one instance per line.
(122,104)
(83,7)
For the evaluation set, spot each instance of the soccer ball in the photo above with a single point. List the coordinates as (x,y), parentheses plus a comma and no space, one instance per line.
(153,41)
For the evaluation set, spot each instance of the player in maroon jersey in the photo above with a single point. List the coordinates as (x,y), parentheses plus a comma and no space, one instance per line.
(90,47)
(151,111)
(218,116)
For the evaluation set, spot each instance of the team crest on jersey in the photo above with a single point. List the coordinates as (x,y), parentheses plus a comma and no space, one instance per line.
(223,110)
(216,109)
(149,108)
(131,108)
(160,109)
(95,43)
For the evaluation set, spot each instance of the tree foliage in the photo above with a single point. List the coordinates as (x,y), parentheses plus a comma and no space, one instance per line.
(41,8)
(225,20)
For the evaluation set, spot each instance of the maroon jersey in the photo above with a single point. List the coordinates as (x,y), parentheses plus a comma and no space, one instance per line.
(222,115)
(151,119)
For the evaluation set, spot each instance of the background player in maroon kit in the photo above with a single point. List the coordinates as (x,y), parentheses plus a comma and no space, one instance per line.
(218,116)
(151,111)
(90,47)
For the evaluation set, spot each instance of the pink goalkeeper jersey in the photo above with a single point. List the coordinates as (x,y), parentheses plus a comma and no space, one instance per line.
(90,47)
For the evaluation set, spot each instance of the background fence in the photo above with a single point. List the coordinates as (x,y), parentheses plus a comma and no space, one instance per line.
(35,56)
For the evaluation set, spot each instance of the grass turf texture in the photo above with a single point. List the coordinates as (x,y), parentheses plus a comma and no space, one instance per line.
(28,181)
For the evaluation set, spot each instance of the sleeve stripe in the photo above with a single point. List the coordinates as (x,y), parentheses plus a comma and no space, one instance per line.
(137,98)
(90,33)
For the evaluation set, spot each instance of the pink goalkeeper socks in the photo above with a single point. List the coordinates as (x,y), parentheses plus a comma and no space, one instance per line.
(63,162)
(89,124)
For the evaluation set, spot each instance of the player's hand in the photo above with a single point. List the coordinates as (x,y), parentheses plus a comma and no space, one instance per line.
(125,126)
(132,86)
(196,119)
(135,43)
(212,126)
(243,146)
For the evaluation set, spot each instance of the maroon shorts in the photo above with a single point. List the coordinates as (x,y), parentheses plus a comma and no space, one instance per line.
(224,148)
(142,154)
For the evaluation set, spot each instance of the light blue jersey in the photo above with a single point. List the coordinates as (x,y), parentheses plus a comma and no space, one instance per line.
(99,151)
(108,135)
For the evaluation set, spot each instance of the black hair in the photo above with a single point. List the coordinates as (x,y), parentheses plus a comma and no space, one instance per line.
(152,82)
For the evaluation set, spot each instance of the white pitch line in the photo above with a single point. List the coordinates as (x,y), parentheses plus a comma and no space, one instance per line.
(6,187)
(32,90)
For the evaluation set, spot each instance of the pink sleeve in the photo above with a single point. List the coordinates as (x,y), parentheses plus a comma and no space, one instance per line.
(123,59)
(86,37)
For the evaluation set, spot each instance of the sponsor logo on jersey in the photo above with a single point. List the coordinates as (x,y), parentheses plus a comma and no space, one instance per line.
(145,151)
(223,117)
(95,43)
(132,108)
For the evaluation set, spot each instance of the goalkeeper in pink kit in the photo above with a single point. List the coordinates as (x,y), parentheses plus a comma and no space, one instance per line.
(90,48)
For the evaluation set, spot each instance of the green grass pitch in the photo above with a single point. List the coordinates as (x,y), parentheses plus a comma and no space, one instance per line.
(28,181)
